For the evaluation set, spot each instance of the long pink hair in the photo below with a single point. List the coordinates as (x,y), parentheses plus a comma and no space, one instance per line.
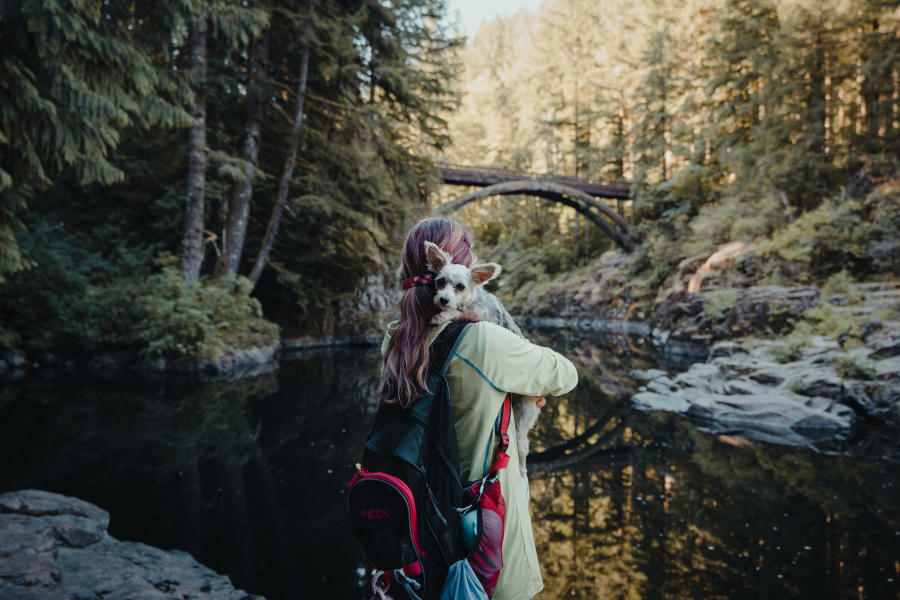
(406,360)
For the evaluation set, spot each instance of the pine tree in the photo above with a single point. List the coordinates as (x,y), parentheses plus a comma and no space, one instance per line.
(654,112)
(740,63)
(72,76)
(233,26)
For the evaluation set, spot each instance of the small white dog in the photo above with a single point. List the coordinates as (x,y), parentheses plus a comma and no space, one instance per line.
(460,296)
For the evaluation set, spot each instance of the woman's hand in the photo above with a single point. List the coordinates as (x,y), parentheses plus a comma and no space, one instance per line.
(541,401)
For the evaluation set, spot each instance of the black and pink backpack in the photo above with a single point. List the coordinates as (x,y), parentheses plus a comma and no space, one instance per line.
(408,504)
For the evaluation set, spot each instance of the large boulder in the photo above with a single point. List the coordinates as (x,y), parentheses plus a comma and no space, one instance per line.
(56,547)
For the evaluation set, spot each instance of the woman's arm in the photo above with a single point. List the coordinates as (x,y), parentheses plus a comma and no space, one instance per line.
(510,364)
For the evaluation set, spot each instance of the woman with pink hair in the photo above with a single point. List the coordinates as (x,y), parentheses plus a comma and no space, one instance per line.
(488,362)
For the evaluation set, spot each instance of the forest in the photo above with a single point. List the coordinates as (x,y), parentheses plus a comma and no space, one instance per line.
(183,176)
(179,176)
(770,122)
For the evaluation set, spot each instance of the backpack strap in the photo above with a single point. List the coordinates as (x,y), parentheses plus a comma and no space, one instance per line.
(445,345)
(502,429)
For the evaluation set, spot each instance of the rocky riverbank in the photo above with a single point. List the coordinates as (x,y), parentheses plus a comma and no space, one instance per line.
(757,390)
(791,365)
(55,547)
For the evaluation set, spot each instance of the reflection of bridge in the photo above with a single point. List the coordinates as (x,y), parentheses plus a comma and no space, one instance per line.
(573,192)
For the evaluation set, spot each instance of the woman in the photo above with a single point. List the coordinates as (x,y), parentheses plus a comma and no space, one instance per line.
(488,362)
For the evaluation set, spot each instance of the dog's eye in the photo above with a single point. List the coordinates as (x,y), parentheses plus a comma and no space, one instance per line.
(460,287)
(441,282)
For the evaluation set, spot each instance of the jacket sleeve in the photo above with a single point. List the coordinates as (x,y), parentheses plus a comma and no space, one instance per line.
(511,364)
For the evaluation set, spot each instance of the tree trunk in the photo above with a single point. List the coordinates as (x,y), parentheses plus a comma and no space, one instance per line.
(285,184)
(234,231)
(192,240)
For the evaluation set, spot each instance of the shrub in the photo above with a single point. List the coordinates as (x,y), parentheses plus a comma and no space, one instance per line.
(200,319)
(882,207)
(850,367)
(823,319)
(76,301)
(786,350)
(720,302)
(820,242)
(842,283)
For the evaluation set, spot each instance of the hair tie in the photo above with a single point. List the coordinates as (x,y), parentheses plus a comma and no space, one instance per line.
(417,281)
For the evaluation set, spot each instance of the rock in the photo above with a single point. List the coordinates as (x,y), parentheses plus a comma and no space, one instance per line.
(755,397)
(870,327)
(57,548)
(28,560)
(770,307)
(77,523)
(726,349)
(888,350)
(662,385)
(766,378)
(888,368)
(646,375)
(821,381)
(816,426)
(654,401)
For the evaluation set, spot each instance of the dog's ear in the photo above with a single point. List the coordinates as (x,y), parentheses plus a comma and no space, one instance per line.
(485,272)
(437,258)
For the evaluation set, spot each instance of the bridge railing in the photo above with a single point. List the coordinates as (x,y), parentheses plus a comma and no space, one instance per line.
(469,169)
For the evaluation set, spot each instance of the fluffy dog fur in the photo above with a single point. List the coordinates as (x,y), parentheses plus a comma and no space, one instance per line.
(459,295)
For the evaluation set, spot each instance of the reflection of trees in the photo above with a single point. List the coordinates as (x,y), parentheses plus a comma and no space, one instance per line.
(128,448)
(248,476)
(641,505)
(251,476)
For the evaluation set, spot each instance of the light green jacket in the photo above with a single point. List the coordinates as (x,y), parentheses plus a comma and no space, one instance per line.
(490,361)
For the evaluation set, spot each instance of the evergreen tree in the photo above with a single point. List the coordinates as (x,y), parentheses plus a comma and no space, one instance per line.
(72,77)
(233,25)
(654,111)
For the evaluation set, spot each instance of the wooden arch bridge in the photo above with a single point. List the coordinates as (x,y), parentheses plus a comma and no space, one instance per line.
(573,192)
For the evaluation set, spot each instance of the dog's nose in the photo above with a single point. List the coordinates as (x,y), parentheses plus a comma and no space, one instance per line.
(444,301)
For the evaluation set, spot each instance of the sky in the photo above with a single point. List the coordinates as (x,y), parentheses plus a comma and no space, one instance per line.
(473,12)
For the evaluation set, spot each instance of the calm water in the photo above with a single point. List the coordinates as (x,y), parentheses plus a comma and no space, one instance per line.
(250,477)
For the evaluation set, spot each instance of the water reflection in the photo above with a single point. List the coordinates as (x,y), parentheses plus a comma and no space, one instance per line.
(250,477)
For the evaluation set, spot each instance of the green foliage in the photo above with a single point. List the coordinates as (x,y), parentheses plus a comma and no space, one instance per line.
(735,120)
(823,319)
(820,242)
(93,153)
(882,209)
(199,319)
(786,350)
(657,258)
(75,300)
(844,284)
(720,302)
(851,367)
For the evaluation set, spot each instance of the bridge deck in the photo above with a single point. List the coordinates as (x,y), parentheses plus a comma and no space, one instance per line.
(485,176)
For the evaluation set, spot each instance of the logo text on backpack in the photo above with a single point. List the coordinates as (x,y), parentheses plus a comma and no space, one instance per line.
(374,513)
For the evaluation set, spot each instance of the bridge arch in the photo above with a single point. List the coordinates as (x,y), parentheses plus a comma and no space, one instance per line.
(582,202)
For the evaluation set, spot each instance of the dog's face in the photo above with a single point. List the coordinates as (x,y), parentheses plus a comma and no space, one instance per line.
(455,284)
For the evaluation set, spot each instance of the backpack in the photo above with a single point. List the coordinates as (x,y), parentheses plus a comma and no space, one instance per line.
(407,501)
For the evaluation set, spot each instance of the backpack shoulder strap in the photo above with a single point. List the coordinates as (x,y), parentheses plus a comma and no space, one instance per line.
(445,345)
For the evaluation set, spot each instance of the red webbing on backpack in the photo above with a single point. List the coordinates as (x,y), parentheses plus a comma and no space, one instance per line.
(487,559)
(502,457)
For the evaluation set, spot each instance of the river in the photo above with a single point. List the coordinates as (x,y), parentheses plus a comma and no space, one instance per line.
(250,477)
